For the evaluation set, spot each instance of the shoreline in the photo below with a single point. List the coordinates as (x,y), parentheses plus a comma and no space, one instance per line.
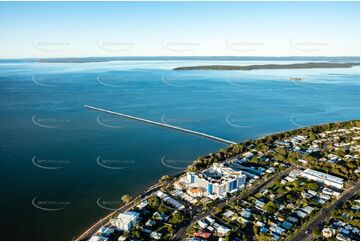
(105,220)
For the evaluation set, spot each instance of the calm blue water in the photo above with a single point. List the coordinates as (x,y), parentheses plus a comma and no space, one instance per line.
(58,158)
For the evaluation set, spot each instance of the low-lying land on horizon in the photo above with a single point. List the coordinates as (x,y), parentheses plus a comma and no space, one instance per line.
(308,65)
(328,59)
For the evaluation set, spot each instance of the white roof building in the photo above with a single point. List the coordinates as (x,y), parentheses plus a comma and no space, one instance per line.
(217,180)
(210,219)
(143,204)
(98,238)
(228,214)
(105,231)
(246,213)
(324,178)
(301,214)
(170,200)
(325,197)
(202,224)
(222,230)
(308,209)
(327,233)
(260,224)
(155,235)
(126,221)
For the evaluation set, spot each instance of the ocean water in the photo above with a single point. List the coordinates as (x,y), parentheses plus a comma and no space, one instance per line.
(63,167)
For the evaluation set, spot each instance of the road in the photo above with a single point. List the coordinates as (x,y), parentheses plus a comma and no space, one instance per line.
(180,235)
(324,215)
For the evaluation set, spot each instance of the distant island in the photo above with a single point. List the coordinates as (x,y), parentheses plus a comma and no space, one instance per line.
(332,59)
(308,65)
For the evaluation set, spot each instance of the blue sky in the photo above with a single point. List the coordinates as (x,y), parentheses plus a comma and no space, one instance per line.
(64,29)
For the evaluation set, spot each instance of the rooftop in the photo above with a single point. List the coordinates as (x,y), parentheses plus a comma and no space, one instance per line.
(219,173)
(323,176)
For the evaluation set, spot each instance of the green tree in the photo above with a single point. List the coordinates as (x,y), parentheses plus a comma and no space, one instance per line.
(312,186)
(164,178)
(136,234)
(162,208)
(218,210)
(255,229)
(126,198)
(264,237)
(270,207)
(176,218)
(316,232)
(171,230)
(245,194)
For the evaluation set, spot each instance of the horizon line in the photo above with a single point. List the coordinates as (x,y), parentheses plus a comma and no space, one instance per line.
(181,56)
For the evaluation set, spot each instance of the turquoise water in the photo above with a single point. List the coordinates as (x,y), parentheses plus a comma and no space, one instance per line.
(59,159)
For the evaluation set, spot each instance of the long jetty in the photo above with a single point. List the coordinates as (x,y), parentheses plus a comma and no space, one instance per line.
(162,125)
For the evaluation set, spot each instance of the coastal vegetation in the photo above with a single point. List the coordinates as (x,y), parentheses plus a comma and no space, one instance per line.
(126,198)
(164,178)
(266,145)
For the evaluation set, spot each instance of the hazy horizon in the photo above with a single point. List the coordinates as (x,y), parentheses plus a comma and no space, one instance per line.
(112,29)
(183,57)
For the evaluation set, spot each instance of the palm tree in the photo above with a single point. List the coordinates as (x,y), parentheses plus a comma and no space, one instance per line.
(164,178)
(126,198)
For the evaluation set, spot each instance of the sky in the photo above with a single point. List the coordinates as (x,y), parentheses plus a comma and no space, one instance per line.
(80,29)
